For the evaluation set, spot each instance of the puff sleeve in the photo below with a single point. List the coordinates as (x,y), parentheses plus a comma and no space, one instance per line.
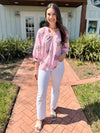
(65,48)
(37,48)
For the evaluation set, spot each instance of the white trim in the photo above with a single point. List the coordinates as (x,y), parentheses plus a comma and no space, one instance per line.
(98,24)
(36,26)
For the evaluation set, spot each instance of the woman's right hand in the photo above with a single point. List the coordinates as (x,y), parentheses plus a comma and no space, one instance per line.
(36,70)
(36,74)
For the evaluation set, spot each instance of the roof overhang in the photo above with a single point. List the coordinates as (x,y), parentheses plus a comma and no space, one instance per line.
(62,3)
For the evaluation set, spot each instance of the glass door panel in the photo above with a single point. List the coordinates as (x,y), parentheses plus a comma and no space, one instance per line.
(29,23)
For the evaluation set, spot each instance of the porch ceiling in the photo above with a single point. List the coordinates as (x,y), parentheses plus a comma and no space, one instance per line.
(62,3)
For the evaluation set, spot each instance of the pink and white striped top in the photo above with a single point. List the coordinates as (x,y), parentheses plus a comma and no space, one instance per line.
(48,48)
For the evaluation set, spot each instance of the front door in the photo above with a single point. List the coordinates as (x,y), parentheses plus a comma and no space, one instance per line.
(29,24)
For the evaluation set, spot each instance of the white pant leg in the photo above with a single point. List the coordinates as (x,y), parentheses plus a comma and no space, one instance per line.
(57,75)
(43,80)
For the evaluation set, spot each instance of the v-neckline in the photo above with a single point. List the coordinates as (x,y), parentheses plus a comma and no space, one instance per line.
(50,32)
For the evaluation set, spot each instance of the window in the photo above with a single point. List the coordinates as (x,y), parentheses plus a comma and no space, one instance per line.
(92,27)
(29,27)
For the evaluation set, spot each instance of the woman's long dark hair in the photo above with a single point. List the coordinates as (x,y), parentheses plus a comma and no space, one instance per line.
(59,21)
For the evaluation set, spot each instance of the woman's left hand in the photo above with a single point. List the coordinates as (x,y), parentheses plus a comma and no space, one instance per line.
(61,57)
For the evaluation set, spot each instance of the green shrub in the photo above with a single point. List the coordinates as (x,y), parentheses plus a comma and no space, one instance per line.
(13,48)
(85,48)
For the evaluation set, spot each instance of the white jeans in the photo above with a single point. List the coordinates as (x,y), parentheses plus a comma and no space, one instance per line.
(43,80)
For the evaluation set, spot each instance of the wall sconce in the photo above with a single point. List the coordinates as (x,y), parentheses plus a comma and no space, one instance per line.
(17,13)
(66,4)
(70,14)
(42,4)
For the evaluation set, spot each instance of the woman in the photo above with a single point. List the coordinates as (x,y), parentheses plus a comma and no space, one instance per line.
(50,49)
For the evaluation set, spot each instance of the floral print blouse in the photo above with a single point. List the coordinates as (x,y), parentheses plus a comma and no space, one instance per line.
(48,48)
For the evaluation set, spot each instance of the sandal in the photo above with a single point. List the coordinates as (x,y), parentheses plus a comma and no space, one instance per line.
(38,126)
(53,115)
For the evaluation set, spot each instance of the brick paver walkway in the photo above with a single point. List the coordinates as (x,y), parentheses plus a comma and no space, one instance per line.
(71,118)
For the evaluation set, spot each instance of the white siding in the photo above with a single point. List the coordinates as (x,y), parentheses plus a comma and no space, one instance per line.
(0,25)
(10,25)
(3,33)
(93,12)
(73,25)
(77,22)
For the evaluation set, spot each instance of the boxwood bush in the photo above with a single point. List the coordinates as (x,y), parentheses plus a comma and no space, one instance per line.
(85,48)
(13,48)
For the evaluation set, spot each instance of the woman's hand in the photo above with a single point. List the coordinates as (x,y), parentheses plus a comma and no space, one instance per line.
(61,57)
(36,70)
(36,74)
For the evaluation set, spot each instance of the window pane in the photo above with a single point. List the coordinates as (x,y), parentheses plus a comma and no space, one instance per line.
(29,27)
(92,27)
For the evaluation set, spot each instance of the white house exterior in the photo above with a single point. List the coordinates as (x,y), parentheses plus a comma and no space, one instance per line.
(93,16)
(24,21)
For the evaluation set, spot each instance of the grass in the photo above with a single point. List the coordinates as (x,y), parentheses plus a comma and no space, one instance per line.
(8,91)
(8,94)
(89,99)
